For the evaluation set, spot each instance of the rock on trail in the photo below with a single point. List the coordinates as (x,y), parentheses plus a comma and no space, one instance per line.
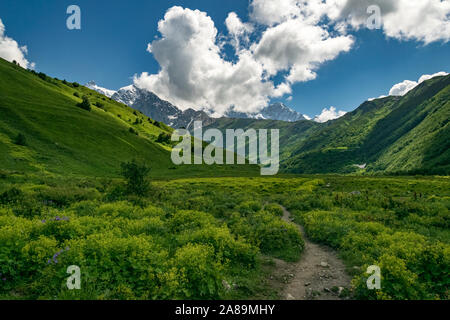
(318,275)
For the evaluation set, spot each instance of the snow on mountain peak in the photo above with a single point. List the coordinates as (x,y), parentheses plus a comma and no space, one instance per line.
(93,86)
(275,111)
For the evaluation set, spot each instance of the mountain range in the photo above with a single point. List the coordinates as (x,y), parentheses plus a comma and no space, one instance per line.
(151,105)
(407,134)
(395,134)
(45,130)
(276,111)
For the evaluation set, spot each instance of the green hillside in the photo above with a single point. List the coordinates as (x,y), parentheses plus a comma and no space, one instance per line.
(407,134)
(215,232)
(292,134)
(394,134)
(62,138)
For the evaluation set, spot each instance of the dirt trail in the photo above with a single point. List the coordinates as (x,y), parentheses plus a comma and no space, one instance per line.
(319,274)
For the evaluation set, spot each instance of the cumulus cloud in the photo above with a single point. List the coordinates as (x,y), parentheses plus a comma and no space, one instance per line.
(329,114)
(402,88)
(426,77)
(286,40)
(272,12)
(299,47)
(238,30)
(195,74)
(10,49)
(420,20)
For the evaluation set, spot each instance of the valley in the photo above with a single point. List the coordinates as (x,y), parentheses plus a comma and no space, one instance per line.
(160,231)
(396,134)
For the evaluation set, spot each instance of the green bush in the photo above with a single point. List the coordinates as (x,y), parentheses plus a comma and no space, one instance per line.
(274,208)
(183,239)
(199,272)
(11,196)
(63,196)
(86,104)
(131,130)
(136,177)
(164,138)
(43,76)
(100,105)
(20,140)
(249,207)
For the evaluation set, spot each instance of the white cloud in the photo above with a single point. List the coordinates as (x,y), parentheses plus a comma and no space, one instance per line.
(10,49)
(329,114)
(238,30)
(299,48)
(402,88)
(423,20)
(380,97)
(426,77)
(194,74)
(420,20)
(269,12)
(284,39)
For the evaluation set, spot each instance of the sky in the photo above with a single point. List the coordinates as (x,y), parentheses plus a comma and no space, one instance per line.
(215,55)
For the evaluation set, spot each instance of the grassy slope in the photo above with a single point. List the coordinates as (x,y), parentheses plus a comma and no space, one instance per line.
(421,140)
(65,139)
(292,134)
(393,134)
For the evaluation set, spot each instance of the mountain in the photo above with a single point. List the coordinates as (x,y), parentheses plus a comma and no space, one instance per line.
(276,111)
(405,134)
(44,132)
(43,129)
(148,103)
(292,134)
(408,134)
(106,92)
(151,105)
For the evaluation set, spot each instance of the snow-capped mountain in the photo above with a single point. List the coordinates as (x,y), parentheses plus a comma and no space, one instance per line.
(93,86)
(152,106)
(276,111)
(148,103)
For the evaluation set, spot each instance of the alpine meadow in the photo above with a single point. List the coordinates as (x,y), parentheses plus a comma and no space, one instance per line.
(94,207)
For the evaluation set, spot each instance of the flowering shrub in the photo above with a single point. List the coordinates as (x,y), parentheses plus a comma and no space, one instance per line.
(407,237)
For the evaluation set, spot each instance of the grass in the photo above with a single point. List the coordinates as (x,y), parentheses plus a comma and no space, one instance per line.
(397,135)
(63,139)
(189,235)
(62,203)
(398,223)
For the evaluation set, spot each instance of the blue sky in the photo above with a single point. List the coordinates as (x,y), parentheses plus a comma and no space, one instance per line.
(111,48)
